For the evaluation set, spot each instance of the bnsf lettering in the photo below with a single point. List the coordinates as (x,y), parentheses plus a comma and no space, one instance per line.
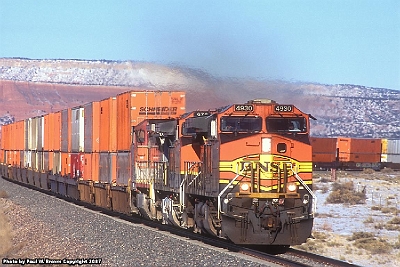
(245,108)
(265,166)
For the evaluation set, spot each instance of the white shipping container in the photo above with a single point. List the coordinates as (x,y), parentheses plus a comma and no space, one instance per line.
(393,146)
(56,163)
(393,158)
(40,133)
(28,159)
(77,129)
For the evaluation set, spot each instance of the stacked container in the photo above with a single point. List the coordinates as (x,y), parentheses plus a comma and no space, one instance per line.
(359,150)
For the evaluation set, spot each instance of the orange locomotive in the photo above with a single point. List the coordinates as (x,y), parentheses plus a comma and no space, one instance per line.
(242,172)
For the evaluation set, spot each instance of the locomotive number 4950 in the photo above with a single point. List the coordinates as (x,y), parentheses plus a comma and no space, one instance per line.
(284,108)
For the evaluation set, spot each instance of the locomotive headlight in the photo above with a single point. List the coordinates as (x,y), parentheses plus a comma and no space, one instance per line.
(245,188)
(266,145)
(291,187)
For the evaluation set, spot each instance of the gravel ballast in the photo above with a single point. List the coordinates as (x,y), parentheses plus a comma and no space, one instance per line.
(44,226)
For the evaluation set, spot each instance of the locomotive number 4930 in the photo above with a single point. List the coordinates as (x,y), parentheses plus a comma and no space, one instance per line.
(284,108)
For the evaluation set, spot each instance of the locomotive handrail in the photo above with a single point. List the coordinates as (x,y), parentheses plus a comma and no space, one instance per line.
(226,187)
(314,197)
(182,187)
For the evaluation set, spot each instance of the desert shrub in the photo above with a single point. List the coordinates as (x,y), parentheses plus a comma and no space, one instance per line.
(368,171)
(374,245)
(325,180)
(334,244)
(3,194)
(395,220)
(397,244)
(312,246)
(345,193)
(392,227)
(369,220)
(360,235)
(387,170)
(368,241)
(320,235)
(387,210)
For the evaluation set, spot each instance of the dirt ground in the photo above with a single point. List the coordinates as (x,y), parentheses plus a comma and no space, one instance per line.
(364,234)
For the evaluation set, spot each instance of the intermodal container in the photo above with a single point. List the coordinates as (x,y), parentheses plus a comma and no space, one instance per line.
(87,166)
(77,165)
(123,168)
(31,128)
(107,167)
(135,106)
(77,129)
(17,135)
(390,150)
(108,125)
(92,127)
(34,160)
(57,132)
(40,133)
(27,159)
(66,130)
(323,149)
(91,166)
(51,132)
(66,164)
(56,162)
(359,150)
(39,161)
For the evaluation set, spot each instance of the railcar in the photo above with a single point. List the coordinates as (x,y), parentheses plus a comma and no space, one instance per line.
(242,172)
(348,153)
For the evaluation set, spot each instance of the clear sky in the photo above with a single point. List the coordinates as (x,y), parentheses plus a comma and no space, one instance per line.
(323,41)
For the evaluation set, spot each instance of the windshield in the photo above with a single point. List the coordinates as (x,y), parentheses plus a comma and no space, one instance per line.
(297,124)
(241,124)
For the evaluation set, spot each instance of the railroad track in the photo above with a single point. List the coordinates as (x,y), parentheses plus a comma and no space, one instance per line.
(290,258)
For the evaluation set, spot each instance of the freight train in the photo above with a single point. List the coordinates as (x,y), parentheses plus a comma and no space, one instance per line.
(242,172)
(355,153)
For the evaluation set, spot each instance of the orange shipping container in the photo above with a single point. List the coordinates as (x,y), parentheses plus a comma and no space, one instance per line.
(65,163)
(324,157)
(18,135)
(323,145)
(49,132)
(108,127)
(359,150)
(134,107)
(91,167)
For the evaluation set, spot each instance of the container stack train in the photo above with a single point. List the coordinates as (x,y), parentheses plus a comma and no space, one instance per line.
(355,153)
(242,172)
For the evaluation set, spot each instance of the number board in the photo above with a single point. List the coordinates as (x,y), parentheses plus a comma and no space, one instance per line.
(244,108)
(202,113)
(284,108)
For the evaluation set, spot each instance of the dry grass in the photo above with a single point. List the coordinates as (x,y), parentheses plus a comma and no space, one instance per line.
(3,194)
(345,193)
(5,235)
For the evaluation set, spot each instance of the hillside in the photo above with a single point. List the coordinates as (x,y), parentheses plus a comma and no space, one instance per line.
(34,87)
